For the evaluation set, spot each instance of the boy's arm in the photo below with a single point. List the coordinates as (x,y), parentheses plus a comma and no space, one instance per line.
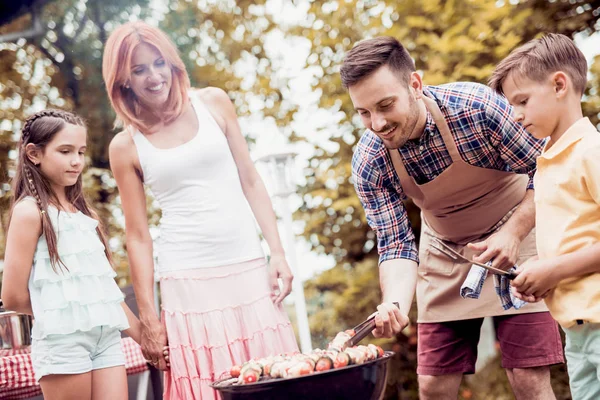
(536,277)
(581,262)
(519,151)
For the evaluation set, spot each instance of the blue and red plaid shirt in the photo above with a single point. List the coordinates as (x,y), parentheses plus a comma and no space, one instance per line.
(486,136)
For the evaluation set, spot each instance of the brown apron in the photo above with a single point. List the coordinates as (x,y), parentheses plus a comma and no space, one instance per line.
(463,204)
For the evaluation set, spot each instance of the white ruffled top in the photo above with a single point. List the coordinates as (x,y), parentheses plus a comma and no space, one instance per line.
(85,296)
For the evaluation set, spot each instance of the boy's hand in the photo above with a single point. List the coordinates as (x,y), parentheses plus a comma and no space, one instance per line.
(535,279)
(529,299)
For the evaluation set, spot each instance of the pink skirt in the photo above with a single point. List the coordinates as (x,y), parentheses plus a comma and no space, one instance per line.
(216,318)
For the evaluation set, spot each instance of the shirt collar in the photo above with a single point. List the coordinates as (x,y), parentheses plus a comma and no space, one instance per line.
(572,135)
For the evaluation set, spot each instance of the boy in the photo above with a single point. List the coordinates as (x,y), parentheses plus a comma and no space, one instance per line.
(544,81)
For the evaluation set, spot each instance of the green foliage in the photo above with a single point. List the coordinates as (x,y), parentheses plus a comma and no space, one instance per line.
(63,69)
(450,41)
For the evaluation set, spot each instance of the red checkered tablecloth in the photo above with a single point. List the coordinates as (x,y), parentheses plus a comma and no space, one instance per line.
(17,380)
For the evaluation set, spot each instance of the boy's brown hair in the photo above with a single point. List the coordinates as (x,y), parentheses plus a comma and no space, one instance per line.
(540,57)
(371,54)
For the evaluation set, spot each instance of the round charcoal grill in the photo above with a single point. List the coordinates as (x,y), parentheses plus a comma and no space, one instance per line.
(361,382)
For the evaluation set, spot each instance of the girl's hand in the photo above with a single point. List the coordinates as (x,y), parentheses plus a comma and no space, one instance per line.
(166,356)
(279,269)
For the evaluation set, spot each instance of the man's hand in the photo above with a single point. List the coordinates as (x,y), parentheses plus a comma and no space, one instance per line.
(279,269)
(153,342)
(535,279)
(389,321)
(502,247)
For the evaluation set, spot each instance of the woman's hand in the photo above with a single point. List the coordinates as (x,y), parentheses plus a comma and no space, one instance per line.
(154,342)
(279,269)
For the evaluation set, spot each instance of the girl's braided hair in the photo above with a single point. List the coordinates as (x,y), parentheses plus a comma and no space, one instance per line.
(39,130)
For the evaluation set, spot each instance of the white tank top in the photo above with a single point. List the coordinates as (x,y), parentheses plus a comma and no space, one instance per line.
(206,220)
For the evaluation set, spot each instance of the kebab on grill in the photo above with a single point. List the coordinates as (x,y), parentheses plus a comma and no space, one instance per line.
(292,365)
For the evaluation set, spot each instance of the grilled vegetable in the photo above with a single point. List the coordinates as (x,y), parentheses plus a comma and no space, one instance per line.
(289,365)
(324,363)
(235,371)
(342,360)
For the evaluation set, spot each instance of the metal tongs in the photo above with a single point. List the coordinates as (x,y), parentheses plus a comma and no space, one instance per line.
(363,329)
(456,256)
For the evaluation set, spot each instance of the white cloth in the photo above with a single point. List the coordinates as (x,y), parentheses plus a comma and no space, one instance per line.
(471,287)
(83,297)
(206,220)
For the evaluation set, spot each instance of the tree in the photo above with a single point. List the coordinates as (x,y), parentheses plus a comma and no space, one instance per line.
(214,38)
(449,41)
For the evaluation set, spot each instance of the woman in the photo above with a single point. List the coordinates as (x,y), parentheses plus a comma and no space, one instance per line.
(221,305)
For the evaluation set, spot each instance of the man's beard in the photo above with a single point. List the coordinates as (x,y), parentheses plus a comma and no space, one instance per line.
(404,132)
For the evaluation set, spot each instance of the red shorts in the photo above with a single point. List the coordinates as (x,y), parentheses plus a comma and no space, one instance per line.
(526,340)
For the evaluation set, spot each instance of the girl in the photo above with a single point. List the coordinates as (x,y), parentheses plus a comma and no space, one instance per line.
(57,267)
(220,303)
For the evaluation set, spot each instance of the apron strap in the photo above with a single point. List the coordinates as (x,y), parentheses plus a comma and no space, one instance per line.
(443,127)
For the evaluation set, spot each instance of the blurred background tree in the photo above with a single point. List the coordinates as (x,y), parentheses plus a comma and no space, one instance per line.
(223,44)
(61,67)
(449,41)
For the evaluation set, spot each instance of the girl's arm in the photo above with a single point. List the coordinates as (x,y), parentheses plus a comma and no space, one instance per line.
(124,164)
(23,234)
(253,187)
(135,330)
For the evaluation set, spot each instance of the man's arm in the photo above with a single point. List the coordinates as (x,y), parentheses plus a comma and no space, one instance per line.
(519,150)
(398,280)
(523,219)
(387,215)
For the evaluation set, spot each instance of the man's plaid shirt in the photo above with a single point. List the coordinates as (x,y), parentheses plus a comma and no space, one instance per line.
(486,136)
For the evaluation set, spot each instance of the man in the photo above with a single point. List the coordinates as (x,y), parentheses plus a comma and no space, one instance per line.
(455,150)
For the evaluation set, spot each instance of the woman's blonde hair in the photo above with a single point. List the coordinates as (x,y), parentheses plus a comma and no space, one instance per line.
(116,71)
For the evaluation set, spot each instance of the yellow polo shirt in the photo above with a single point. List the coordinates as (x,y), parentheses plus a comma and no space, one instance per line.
(567,201)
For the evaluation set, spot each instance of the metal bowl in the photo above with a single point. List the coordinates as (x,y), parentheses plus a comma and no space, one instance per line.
(365,382)
(15,331)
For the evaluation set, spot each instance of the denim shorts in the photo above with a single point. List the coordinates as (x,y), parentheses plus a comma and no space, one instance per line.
(77,352)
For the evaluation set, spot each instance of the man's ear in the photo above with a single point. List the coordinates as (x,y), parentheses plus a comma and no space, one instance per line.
(34,153)
(561,83)
(416,84)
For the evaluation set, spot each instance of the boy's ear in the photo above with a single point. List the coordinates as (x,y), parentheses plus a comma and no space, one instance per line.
(560,81)
(33,153)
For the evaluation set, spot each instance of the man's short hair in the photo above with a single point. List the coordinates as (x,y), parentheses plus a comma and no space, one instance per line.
(371,54)
(538,58)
